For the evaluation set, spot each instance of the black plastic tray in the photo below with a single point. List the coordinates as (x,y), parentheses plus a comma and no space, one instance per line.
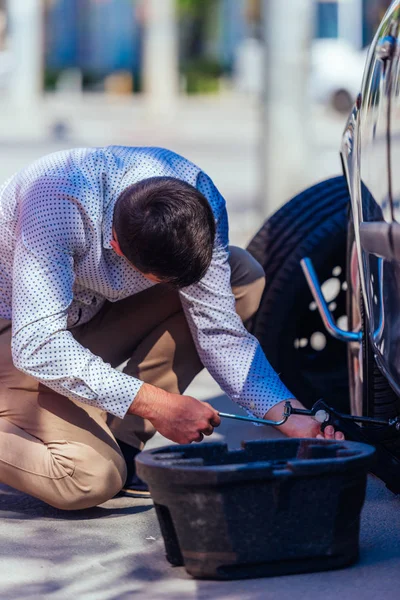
(275,507)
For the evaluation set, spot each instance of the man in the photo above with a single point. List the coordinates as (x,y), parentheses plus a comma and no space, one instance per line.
(111,255)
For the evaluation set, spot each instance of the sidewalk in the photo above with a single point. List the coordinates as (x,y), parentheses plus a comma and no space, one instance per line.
(115,551)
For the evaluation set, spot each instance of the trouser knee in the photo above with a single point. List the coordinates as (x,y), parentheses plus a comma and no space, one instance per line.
(248,299)
(93,481)
(247,280)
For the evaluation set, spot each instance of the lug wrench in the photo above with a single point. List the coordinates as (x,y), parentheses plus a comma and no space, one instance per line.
(321,413)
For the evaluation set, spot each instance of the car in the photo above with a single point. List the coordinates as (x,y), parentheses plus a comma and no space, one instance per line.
(338,85)
(329,319)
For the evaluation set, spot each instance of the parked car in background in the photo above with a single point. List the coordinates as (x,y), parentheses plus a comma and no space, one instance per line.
(349,226)
(336,72)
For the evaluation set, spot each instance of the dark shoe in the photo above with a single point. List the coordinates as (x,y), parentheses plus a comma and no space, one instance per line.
(134,486)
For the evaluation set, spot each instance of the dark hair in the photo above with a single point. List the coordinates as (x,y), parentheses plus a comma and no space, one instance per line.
(166,227)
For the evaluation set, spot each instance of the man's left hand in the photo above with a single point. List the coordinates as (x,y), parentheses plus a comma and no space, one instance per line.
(301,426)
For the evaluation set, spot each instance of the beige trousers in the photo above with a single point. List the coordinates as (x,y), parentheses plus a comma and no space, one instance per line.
(65,452)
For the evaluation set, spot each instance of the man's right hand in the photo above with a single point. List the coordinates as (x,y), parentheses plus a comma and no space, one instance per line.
(182,419)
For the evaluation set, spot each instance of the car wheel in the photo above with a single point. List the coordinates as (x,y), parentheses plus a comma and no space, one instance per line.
(342,101)
(290,330)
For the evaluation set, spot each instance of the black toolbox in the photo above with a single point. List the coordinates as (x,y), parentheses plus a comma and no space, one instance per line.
(274,507)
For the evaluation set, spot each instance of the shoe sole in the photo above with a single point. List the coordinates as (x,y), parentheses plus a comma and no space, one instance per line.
(134,493)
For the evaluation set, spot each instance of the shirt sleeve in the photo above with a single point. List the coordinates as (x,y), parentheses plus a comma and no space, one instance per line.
(48,242)
(229,352)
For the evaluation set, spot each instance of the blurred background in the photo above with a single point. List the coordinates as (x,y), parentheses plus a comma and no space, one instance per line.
(256,92)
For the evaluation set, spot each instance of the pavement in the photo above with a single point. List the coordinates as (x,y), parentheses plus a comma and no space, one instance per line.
(115,551)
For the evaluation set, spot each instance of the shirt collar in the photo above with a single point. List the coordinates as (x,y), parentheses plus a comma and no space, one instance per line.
(128,178)
(108,224)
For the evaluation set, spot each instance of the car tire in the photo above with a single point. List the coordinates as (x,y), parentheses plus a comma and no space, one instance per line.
(287,324)
(342,101)
(379,399)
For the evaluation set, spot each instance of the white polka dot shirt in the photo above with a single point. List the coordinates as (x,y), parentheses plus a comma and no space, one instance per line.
(57,268)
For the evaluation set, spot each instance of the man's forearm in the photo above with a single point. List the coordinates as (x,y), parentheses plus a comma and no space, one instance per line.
(182,419)
(147,400)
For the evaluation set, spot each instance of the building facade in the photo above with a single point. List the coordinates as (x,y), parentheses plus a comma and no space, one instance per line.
(101,37)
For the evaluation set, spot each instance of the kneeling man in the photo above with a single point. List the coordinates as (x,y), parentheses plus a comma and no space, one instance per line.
(114,256)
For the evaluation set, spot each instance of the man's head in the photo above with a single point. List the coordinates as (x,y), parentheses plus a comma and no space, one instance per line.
(166,229)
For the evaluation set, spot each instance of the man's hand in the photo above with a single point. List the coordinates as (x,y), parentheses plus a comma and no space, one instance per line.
(301,426)
(182,419)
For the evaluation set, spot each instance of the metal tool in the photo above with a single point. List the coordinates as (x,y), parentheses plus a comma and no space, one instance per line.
(377,432)
(321,413)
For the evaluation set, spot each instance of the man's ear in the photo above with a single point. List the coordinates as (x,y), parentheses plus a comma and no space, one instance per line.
(115,246)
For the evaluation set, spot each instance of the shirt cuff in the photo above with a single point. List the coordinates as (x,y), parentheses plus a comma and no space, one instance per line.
(257,400)
(118,393)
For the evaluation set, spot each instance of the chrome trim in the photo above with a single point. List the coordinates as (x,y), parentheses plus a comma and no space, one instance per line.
(378,333)
(330,325)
